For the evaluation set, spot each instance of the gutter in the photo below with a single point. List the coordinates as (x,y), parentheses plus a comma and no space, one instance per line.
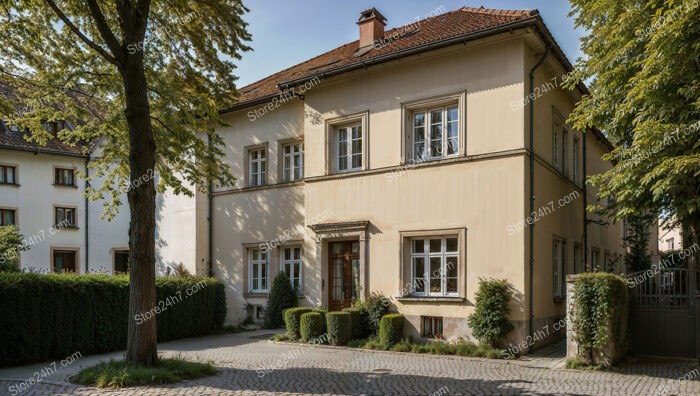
(531,314)
(43,151)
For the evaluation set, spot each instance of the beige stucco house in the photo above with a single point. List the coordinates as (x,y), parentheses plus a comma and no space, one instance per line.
(400,164)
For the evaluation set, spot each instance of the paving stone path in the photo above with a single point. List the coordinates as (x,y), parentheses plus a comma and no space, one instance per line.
(251,365)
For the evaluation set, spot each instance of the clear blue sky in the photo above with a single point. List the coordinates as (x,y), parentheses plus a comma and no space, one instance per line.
(287,32)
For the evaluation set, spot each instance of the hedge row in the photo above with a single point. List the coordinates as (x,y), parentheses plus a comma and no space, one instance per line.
(52,316)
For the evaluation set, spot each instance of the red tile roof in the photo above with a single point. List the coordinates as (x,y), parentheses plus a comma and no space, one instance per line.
(457,23)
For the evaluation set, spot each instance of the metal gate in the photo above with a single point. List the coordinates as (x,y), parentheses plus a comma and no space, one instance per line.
(664,318)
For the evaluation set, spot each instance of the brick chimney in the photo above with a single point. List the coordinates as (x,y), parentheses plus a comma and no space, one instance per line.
(372,24)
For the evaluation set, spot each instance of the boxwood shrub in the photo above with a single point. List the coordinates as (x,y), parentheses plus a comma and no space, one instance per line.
(311,326)
(52,316)
(489,322)
(292,321)
(359,328)
(390,329)
(339,327)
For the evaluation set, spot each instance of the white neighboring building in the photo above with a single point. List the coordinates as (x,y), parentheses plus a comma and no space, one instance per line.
(40,188)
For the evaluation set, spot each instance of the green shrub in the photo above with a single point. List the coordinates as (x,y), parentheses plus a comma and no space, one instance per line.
(339,327)
(358,327)
(402,346)
(323,316)
(11,246)
(292,321)
(489,322)
(599,303)
(375,306)
(52,316)
(390,329)
(281,337)
(282,296)
(311,326)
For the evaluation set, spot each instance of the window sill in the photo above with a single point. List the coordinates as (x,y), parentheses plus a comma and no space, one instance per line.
(256,295)
(68,227)
(65,185)
(9,185)
(417,299)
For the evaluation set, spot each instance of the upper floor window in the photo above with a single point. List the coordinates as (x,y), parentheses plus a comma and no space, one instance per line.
(7,217)
(53,127)
(65,217)
(64,177)
(293,161)
(291,266)
(560,143)
(257,271)
(434,266)
(348,148)
(559,267)
(671,244)
(257,167)
(435,133)
(7,174)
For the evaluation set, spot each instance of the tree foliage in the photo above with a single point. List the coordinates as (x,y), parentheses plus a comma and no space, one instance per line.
(642,58)
(11,244)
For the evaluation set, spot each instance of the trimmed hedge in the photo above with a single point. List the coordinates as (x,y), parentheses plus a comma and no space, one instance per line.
(311,326)
(359,329)
(339,327)
(52,316)
(282,296)
(292,321)
(390,329)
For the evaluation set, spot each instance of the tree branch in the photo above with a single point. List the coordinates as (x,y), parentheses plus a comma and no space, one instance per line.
(111,59)
(104,28)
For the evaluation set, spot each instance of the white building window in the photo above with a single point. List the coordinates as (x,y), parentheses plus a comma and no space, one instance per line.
(257,167)
(671,244)
(7,174)
(293,161)
(595,259)
(257,271)
(348,148)
(435,133)
(559,267)
(434,266)
(290,264)
(65,217)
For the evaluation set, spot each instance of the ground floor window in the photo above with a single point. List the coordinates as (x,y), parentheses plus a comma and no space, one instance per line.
(577,258)
(291,266)
(64,261)
(559,264)
(121,261)
(431,326)
(7,217)
(257,271)
(434,266)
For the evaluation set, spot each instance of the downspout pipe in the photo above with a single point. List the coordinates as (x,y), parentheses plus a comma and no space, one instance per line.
(585,204)
(531,314)
(210,200)
(87,217)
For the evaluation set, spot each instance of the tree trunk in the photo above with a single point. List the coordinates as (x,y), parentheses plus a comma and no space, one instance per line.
(142,338)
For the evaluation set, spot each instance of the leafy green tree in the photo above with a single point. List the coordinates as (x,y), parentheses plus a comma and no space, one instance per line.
(147,79)
(11,244)
(642,60)
(637,238)
(282,296)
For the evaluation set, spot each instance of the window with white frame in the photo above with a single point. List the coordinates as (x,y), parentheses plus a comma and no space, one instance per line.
(595,259)
(257,167)
(290,264)
(348,148)
(435,133)
(564,151)
(575,160)
(559,266)
(257,271)
(65,217)
(434,266)
(293,161)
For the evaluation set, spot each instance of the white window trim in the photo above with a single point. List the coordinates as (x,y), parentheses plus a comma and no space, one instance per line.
(291,262)
(336,144)
(408,110)
(265,261)
(332,125)
(249,169)
(426,255)
(283,156)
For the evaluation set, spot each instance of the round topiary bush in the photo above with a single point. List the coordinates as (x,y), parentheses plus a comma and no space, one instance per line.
(292,321)
(358,330)
(339,327)
(282,296)
(311,326)
(390,329)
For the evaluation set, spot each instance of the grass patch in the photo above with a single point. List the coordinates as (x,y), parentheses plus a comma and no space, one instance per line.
(580,364)
(117,374)
(281,337)
(462,348)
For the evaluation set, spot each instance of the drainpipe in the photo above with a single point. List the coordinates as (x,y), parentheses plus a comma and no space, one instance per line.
(87,217)
(210,219)
(585,204)
(532,191)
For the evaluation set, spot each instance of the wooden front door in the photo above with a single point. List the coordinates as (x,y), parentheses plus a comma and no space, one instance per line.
(343,274)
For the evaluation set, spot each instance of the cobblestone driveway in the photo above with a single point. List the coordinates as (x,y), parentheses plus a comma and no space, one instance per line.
(298,369)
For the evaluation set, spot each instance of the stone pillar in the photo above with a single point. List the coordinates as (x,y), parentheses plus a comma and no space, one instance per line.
(571,345)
